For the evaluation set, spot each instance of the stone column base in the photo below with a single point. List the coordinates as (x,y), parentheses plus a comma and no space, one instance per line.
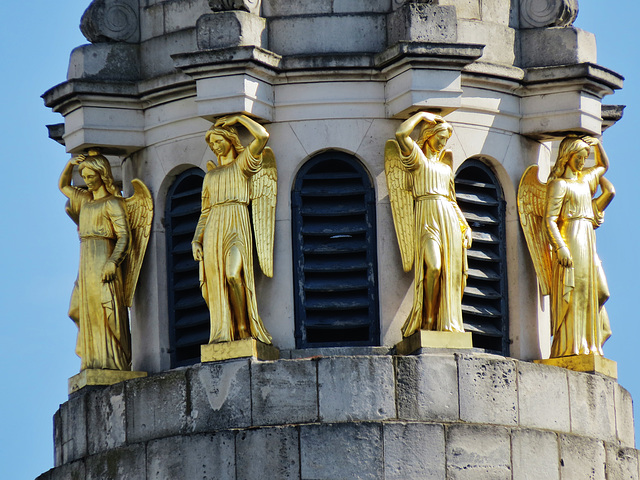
(100,377)
(248,347)
(585,363)
(433,339)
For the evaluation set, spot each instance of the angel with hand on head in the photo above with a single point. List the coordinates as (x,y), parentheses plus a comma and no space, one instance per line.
(223,243)
(559,221)
(113,233)
(432,232)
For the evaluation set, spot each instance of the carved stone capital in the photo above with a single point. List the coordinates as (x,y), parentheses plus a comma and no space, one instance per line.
(251,6)
(547,13)
(111,21)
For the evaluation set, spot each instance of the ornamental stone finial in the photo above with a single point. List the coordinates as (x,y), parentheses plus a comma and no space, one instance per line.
(251,6)
(547,13)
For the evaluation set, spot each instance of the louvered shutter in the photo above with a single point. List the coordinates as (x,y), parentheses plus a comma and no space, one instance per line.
(334,245)
(188,312)
(484,304)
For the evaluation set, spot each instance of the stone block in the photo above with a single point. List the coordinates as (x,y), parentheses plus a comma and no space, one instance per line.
(542,47)
(624,416)
(543,397)
(467,9)
(281,8)
(182,15)
(488,390)
(220,396)
(70,471)
(57,438)
(581,458)
(251,6)
(477,452)
(274,450)
(592,405)
(115,62)
(73,422)
(414,450)
(205,457)
(231,29)
(535,455)
(365,33)
(106,419)
(360,6)
(427,388)
(622,463)
(356,388)
(344,450)
(284,392)
(121,464)
(416,22)
(156,406)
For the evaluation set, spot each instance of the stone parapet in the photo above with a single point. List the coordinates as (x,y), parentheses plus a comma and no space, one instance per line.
(375,416)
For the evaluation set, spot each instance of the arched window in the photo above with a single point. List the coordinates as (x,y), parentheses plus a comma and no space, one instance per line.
(484,304)
(188,313)
(334,248)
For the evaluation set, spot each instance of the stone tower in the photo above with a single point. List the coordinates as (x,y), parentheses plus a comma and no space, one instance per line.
(331,80)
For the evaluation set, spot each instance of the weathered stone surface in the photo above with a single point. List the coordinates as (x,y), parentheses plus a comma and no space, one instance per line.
(477,452)
(118,464)
(231,29)
(205,457)
(581,458)
(252,6)
(156,406)
(268,451)
(488,390)
(344,450)
(111,21)
(622,463)
(543,397)
(356,6)
(416,22)
(414,450)
(279,8)
(220,396)
(556,46)
(284,392)
(536,14)
(592,405)
(624,416)
(73,423)
(535,455)
(427,387)
(115,62)
(106,419)
(70,471)
(356,388)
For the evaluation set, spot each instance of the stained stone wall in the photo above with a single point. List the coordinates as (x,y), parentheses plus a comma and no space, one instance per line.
(430,416)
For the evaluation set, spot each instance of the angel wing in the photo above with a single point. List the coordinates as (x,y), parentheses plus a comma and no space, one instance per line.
(532,196)
(210,165)
(402,202)
(264,190)
(140,212)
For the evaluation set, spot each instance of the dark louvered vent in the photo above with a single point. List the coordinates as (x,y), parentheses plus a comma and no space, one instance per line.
(484,304)
(334,245)
(188,313)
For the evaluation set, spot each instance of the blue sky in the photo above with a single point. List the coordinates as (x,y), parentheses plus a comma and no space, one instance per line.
(39,246)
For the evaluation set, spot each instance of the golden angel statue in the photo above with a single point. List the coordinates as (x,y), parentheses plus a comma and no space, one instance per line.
(223,242)
(559,221)
(432,232)
(114,233)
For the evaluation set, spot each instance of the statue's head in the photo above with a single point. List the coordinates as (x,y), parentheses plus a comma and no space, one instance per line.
(222,139)
(99,164)
(435,135)
(572,149)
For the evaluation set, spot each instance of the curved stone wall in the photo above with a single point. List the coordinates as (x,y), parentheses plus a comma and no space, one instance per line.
(436,415)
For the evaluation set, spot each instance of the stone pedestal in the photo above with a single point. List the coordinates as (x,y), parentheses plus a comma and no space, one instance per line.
(99,377)
(584,363)
(248,347)
(434,339)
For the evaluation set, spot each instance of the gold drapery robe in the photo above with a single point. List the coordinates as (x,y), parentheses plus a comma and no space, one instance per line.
(579,320)
(437,217)
(224,223)
(98,308)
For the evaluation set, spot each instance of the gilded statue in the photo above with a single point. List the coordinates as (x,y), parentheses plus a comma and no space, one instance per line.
(559,219)
(223,244)
(432,232)
(114,233)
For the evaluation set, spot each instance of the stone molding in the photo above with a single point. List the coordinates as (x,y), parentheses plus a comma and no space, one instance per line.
(547,13)
(111,21)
